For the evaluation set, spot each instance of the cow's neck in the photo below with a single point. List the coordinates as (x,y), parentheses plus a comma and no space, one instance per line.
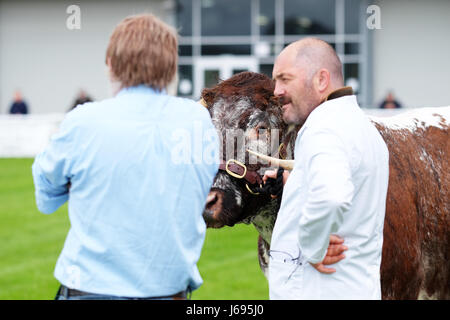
(264,220)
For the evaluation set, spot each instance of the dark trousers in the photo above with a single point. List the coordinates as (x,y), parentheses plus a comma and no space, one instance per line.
(65,293)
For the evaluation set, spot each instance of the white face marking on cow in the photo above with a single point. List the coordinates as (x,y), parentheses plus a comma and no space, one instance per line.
(221,112)
(261,134)
(437,117)
(223,182)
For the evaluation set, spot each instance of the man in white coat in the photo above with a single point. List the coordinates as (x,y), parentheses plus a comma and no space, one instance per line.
(337,189)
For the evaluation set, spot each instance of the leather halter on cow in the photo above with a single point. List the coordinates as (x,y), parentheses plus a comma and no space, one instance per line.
(240,171)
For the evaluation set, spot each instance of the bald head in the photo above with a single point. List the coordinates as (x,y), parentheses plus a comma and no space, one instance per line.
(315,54)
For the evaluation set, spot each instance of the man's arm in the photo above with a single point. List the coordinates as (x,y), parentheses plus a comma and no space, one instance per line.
(51,171)
(330,193)
(336,245)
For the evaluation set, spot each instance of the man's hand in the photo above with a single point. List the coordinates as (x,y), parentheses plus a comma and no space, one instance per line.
(272,174)
(334,255)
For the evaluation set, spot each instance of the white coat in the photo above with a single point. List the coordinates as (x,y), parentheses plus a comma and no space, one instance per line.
(338,186)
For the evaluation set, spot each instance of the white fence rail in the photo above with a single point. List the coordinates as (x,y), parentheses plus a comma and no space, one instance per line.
(23,136)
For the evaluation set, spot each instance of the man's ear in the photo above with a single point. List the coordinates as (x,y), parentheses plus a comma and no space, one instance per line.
(322,80)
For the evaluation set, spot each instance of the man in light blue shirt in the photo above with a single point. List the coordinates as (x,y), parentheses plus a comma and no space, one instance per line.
(136,196)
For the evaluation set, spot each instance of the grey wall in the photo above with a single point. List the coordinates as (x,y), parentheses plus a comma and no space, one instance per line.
(50,63)
(412,52)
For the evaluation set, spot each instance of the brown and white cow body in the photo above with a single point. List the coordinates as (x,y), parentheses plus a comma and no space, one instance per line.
(416,230)
(416,245)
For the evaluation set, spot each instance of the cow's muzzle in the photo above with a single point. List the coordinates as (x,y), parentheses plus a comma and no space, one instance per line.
(213,208)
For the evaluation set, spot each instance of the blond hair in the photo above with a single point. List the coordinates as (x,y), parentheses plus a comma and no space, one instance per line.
(143,50)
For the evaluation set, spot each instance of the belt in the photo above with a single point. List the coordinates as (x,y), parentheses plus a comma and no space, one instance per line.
(68,292)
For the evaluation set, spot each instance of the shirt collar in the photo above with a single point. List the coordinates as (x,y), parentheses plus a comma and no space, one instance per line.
(344,91)
(140,89)
(339,93)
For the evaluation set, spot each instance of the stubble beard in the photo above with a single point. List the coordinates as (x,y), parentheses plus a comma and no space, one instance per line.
(299,113)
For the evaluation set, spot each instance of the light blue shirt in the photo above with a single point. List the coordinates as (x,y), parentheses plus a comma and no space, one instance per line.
(140,165)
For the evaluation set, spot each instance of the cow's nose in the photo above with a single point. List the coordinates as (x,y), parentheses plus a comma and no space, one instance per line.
(212,197)
(213,208)
(213,201)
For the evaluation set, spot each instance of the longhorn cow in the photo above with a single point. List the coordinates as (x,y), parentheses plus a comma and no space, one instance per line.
(416,230)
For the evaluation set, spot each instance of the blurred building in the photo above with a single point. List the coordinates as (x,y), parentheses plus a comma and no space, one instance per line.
(220,38)
(49,62)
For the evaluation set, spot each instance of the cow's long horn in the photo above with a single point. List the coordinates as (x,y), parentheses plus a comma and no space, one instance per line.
(286,164)
(202,102)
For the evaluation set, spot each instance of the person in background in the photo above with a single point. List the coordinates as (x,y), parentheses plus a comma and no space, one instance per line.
(81,99)
(390,102)
(135,206)
(18,106)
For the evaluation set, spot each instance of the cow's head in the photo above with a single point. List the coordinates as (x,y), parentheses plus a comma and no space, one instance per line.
(246,115)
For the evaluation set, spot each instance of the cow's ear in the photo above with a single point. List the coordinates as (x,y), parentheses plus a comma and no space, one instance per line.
(208,95)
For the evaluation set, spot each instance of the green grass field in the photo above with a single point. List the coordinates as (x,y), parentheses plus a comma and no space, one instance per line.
(30,243)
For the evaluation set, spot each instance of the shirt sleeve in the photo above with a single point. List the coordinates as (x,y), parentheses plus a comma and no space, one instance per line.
(330,191)
(51,170)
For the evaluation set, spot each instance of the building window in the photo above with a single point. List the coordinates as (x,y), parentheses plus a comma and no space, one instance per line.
(266,69)
(260,29)
(213,50)
(309,17)
(351,76)
(185,83)
(352,13)
(225,18)
(183,16)
(266,17)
